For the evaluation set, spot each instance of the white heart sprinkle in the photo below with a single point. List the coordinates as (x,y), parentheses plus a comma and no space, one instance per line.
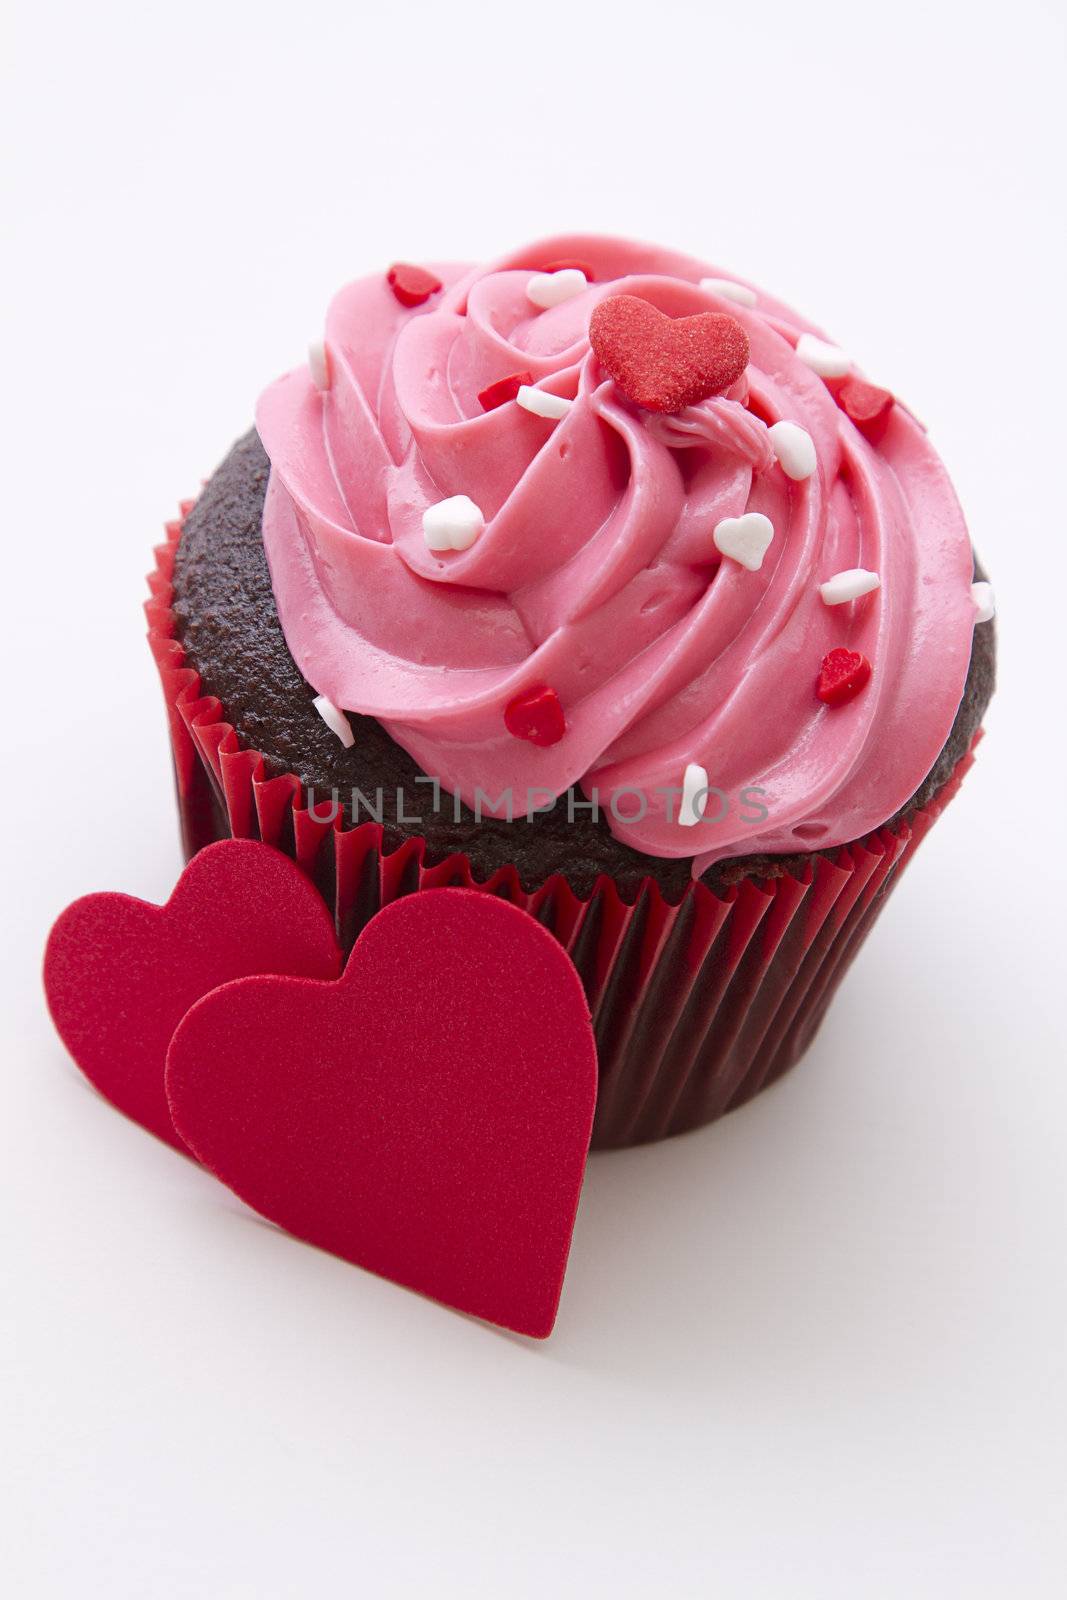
(452,524)
(849,585)
(825,359)
(319,363)
(794,448)
(726,289)
(694,796)
(543,404)
(746,539)
(547,289)
(335,720)
(984,603)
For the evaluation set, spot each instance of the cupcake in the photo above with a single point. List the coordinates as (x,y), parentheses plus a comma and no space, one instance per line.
(599,579)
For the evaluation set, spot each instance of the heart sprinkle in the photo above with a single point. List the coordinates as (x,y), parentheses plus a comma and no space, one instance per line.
(726,289)
(825,359)
(842,676)
(542,403)
(694,790)
(849,585)
(984,603)
(503,390)
(746,539)
(452,524)
(548,289)
(665,364)
(319,364)
(412,285)
(867,406)
(335,720)
(537,716)
(794,449)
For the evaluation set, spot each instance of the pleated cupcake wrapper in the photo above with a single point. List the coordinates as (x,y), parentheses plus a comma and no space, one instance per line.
(696,1005)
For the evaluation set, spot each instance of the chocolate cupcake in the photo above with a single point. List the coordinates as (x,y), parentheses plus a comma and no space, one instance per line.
(600,580)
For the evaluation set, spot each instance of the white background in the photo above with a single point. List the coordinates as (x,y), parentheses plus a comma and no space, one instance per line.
(816,1350)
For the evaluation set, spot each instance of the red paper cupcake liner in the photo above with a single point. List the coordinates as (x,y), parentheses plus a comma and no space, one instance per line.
(696,1005)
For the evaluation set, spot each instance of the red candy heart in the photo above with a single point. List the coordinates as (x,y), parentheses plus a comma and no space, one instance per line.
(120,974)
(866,405)
(503,390)
(426,1117)
(412,285)
(843,675)
(663,363)
(537,716)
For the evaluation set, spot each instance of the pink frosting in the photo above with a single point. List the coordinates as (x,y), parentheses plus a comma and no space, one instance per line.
(597,573)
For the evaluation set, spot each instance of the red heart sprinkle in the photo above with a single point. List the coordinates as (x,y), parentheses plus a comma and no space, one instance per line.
(120,974)
(411,285)
(503,390)
(426,1117)
(663,363)
(568,265)
(866,405)
(536,715)
(843,675)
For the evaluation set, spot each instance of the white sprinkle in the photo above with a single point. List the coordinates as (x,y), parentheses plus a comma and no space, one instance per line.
(541,403)
(825,359)
(694,795)
(794,448)
(452,524)
(726,289)
(984,603)
(746,539)
(335,720)
(319,362)
(552,288)
(849,585)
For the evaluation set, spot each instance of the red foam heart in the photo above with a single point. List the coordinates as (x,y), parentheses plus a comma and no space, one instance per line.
(537,716)
(412,285)
(120,974)
(426,1117)
(869,407)
(664,363)
(842,676)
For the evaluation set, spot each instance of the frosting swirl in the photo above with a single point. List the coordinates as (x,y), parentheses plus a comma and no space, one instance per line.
(597,573)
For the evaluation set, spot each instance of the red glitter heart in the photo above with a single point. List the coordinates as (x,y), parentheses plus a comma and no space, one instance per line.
(663,363)
(503,390)
(866,405)
(426,1117)
(120,974)
(536,715)
(412,285)
(843,675)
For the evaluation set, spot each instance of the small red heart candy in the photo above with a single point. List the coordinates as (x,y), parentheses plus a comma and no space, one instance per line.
(412,285)
(866,405)
(536,715)
(843,675)
(426,1117)
(503,390)
(663,363)
(120,974)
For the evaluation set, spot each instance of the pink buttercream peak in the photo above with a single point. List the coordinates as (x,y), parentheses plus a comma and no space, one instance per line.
(597,571)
